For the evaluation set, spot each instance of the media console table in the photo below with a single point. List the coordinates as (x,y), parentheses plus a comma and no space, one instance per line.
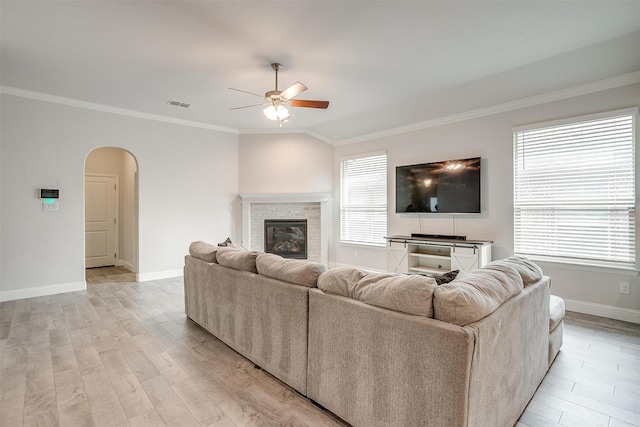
(435,256)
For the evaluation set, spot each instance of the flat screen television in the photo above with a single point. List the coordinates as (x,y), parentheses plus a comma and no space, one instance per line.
(452,186)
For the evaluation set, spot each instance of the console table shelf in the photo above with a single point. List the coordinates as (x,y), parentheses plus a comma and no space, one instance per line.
(428,271)
(435,256)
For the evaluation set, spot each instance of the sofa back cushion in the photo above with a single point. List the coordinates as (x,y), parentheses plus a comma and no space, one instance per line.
(407,293)
(412,294)
(298,272)
(340,281)
(237,258)
(477,294)
(203,250)
(529,271)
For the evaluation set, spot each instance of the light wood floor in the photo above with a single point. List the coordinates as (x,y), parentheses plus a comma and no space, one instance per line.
(125,354)
(115,274)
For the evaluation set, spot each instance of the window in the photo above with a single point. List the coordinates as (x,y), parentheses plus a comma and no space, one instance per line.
(574,190)
(363,199)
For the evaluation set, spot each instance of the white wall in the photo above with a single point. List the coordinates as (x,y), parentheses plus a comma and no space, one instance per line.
(187,182)
(129,212)
(585,289)
(115,161)
(285,163)
(189,179)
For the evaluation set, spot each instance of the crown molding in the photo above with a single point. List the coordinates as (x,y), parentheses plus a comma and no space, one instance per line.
(558,95)
(38,96)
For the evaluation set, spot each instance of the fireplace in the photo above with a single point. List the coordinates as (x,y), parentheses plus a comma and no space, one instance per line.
(286,237)
(314,207)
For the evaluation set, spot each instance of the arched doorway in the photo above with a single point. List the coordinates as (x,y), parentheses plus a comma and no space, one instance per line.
(111,215)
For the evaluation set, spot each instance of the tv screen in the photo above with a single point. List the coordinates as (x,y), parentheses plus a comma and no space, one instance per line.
(452,186)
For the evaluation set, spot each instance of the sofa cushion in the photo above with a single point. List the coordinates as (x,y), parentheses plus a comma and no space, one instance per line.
(203,250)
(340,281)
(237,258)
(294,271)
(407,293)
(529,271)
(556,312)
(477,294)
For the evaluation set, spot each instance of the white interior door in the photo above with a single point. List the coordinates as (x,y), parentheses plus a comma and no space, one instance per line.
(100,218)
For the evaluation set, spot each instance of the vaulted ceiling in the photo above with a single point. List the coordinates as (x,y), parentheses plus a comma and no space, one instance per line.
(381,64)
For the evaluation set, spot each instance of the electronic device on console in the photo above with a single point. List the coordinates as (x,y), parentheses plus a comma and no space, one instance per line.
(438,236)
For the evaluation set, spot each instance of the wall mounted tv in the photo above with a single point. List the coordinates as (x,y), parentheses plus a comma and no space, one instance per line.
(452,186)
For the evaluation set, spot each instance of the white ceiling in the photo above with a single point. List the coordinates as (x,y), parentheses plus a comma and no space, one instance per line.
(378,63)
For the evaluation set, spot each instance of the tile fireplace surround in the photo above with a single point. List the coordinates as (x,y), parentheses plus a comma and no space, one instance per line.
(314,207)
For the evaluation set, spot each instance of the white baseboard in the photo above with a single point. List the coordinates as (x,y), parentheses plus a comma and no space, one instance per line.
(158,275)
(602,310)
(42,291)
(126,265)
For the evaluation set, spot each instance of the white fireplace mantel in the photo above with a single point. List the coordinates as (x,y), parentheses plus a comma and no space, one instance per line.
(286,198)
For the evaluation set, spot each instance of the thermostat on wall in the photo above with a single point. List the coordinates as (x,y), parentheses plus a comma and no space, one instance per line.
(49,193)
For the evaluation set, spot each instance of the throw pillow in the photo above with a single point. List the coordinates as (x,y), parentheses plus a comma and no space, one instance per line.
(225,243)
(446,277)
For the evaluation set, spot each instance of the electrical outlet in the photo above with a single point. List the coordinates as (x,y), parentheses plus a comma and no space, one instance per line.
(355,254)
(624,288)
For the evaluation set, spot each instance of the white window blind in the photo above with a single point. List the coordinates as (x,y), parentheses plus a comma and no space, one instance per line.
(363,199)
(574,190)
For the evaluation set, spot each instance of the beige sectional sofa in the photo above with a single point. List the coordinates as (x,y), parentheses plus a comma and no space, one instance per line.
(384,349)
(261,317)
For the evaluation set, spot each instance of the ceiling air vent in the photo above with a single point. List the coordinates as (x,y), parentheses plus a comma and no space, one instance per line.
(179,104)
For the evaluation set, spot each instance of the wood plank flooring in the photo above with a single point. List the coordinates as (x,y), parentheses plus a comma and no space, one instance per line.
(113,274)
(124,354)
(594,381)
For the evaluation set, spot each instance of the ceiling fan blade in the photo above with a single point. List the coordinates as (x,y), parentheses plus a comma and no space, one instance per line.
(293,90)
(250,93)
(305,103)
(247,106)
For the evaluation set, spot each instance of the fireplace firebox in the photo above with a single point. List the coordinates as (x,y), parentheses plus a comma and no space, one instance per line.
(286,237)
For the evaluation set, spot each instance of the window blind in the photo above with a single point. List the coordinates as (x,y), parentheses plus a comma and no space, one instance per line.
(574,191)
(363,199)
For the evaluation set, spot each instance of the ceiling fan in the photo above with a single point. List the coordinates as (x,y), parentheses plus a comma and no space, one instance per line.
(279,100)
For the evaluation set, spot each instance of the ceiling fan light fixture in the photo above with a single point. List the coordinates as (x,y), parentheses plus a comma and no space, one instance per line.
(277,99)
(278,112)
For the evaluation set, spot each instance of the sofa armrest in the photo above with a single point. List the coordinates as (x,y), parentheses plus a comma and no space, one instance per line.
(510,358)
